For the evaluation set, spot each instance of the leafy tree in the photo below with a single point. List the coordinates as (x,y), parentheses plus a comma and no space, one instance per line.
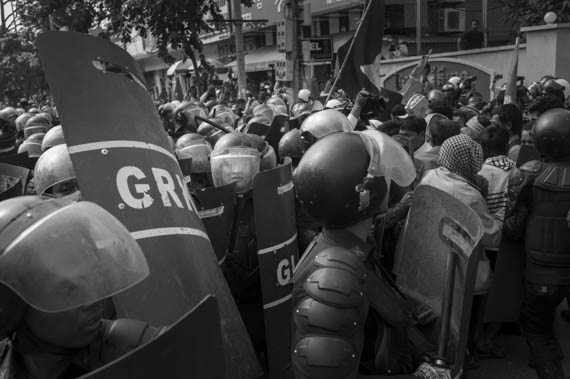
(20,72)
(531,12)
(176,24)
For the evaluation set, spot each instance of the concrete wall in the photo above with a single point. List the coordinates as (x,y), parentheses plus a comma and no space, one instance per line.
(494,59)
(546,52)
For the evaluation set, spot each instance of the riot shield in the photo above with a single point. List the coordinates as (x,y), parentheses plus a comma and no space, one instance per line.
(274,209)
(121,155)
(216,208)
(278,128)
(257,129)
(526,154)
(190,348)
(420,266)
(21,160)
(13,180)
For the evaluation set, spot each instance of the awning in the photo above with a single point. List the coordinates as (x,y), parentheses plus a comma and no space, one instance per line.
(180,67)
(261,59)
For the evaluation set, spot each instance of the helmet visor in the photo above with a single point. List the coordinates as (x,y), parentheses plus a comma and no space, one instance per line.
(77,255)
(200,155)
(237,165)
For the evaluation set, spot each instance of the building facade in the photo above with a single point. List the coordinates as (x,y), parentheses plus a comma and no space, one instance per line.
(442,23)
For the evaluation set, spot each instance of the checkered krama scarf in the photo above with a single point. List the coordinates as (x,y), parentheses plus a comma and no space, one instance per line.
(462,156)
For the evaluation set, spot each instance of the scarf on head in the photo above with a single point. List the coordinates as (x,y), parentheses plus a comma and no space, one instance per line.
(462,156)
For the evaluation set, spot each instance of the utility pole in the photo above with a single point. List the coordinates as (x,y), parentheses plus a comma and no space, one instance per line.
(2,17)
(419,27)
(240,53)
(292,45)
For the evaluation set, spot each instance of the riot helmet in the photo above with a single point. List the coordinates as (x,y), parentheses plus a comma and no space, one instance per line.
(56,255)
(36,124)
(342,179)
(9,115)
(21,122)
(552,133)
(32,145)
(196,147)
(544,79)
(332,184)
(211,133)
(186,113)
(301,108)
(321,124)
(54,175)
(552,87)
(290,146)
(264,110)
(268,156)
(53,137)
(435,96)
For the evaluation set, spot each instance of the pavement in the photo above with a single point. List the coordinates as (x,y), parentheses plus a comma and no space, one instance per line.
(515,365)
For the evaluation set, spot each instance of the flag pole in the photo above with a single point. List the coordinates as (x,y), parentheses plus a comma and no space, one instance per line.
(368,6)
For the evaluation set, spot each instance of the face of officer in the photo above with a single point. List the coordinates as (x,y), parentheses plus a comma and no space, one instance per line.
(71,329)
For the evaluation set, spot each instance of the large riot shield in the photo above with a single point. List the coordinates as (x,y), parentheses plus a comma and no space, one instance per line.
(420,266)
(276,231)
(278,128)
(13,180)
(190,348)
(122,158)
(216,208)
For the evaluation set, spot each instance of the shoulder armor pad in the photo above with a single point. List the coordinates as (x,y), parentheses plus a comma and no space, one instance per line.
(340,279)
(531,167)
(554,177)
(123,335)
(337,257)
(313,317)
(324,357)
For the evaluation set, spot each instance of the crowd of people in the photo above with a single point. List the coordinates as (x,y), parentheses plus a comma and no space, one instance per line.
(355,162)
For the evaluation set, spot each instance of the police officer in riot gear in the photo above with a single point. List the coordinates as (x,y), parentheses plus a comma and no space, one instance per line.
(59,263)
(348,317)
(236,159)
(540,218)
(54,175)
(195,146)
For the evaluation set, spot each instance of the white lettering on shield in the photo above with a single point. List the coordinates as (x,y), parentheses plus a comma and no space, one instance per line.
(285,271)
(172,190)
(133,201)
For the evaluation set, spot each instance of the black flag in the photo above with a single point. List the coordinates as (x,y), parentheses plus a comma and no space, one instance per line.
(363,49)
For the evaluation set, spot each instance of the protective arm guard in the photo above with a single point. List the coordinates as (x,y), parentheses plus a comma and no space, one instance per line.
(328,323)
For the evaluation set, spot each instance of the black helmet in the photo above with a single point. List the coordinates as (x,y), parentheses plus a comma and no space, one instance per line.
(333,184)
(552,87)
(290,146)
(321,124)
(552,133)
(435,96)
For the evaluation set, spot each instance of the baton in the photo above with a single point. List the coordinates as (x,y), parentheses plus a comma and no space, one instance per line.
(202,119)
